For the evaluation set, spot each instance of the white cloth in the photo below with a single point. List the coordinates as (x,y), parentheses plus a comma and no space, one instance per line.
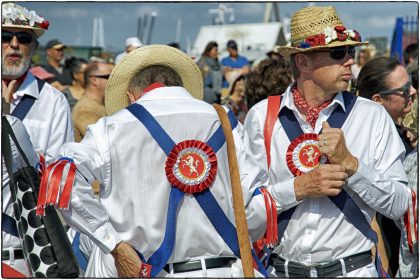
(48,122)
(318,231)
(134,194)
(9,241)
(119,57)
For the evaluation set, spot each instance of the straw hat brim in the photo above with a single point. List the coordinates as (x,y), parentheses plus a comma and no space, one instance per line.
(146,56)
(288,50)
(38,31)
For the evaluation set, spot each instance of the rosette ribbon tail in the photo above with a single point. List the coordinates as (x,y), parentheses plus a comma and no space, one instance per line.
(410,222)
(271,236)
(49,192)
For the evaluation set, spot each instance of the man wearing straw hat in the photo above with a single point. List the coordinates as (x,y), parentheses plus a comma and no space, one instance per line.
(43,110)
(165,206)
(333,159)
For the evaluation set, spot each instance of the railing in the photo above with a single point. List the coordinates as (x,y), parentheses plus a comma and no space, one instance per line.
(405,33)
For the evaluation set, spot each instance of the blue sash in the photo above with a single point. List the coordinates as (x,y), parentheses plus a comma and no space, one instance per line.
(25,104)
(205,199)
(8,224)
(81,259)
(343,201)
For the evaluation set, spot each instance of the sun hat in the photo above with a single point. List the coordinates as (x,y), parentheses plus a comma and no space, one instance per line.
(141,58)
(315,28)
(133,42)
(19,17)
(54,44)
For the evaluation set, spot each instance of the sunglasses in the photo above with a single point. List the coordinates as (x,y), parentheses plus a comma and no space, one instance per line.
(22,37)
(404,90)
(339,53)
(101,76)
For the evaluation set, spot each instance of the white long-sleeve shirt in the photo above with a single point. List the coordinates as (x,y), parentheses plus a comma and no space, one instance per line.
(48,122)
(317,231)
(120,152)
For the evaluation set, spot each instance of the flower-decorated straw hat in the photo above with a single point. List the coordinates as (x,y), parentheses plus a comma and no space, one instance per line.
(19,17)
(146,56)
(315,28)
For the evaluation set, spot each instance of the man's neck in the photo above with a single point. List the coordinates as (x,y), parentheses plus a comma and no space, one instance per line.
(54,63)
(313,94)
(95,95)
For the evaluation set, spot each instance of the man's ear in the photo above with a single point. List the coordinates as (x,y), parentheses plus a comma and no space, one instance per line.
(303,62)
(377,98)
(131,97)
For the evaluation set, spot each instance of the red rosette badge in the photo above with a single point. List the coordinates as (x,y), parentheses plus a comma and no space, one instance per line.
(191,166)
(303,154)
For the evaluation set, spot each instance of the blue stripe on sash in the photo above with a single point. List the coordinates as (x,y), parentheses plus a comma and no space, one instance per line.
(8,224)
(81,259)
(25,104)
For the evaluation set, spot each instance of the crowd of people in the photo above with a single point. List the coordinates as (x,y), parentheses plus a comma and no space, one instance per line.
(320,158)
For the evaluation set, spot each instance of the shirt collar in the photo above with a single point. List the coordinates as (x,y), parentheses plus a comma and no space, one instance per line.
(28,87)
(166,93)
(288,99)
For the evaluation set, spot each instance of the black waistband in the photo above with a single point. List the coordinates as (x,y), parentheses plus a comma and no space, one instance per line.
(5,255)
(196,265)
(328,270)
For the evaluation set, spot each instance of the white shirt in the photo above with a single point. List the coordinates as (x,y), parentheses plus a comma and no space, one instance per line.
(134,195)
(22,136)
(318,231)
(48,122)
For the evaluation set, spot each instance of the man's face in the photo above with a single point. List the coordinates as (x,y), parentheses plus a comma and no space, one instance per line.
(55,54)
(232,52)
(101,76)
(331,75)
(16,56)
(397,104)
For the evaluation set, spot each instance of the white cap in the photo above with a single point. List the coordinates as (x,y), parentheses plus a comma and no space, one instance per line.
(133,42)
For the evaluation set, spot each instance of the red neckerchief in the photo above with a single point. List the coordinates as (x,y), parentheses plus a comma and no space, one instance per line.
(311,112)
(153,86)
(19,80)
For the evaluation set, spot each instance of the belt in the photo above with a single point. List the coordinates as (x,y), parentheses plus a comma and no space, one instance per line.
(328,270)
(5,255)
(196,265)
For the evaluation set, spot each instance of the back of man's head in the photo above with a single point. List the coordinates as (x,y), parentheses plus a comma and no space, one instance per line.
(411,52)
(154,74)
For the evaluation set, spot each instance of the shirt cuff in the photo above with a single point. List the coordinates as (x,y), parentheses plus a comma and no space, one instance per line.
(284,194)
(108,238)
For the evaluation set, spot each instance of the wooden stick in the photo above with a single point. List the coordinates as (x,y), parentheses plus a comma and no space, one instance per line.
(238,200)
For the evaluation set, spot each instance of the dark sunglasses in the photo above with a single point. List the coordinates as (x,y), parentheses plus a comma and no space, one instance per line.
(340,52)
(404,90)
(101,76)
(21,36)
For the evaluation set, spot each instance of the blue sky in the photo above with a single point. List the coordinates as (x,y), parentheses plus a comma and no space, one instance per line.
(72,22)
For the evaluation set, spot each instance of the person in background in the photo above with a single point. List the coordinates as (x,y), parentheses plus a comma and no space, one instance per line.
(386,81)
(212,72)
(235,99)
(55,55)
(90,107)
(270,77)
(331,159)
(76,67)
(174,45)
(234,64)
(363,55)
(131,43)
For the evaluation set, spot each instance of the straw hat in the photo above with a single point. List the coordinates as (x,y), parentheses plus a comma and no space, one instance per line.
(315,28)
(143,57)
(19,17)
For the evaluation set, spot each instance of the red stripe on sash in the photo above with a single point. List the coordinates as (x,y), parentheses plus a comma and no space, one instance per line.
(42,195)
(273,106)
(65,195)
(54,185)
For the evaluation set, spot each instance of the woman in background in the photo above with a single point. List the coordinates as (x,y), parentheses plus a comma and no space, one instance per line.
(76,67)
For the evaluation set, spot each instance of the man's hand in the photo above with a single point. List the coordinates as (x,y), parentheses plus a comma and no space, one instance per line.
(8,90)
(333,145)
(324,180)
(127,261)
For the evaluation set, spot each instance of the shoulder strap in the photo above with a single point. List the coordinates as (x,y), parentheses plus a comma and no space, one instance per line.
(273,106)
(26,102)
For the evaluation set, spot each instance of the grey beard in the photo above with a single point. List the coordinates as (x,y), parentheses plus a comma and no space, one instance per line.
(14,72)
